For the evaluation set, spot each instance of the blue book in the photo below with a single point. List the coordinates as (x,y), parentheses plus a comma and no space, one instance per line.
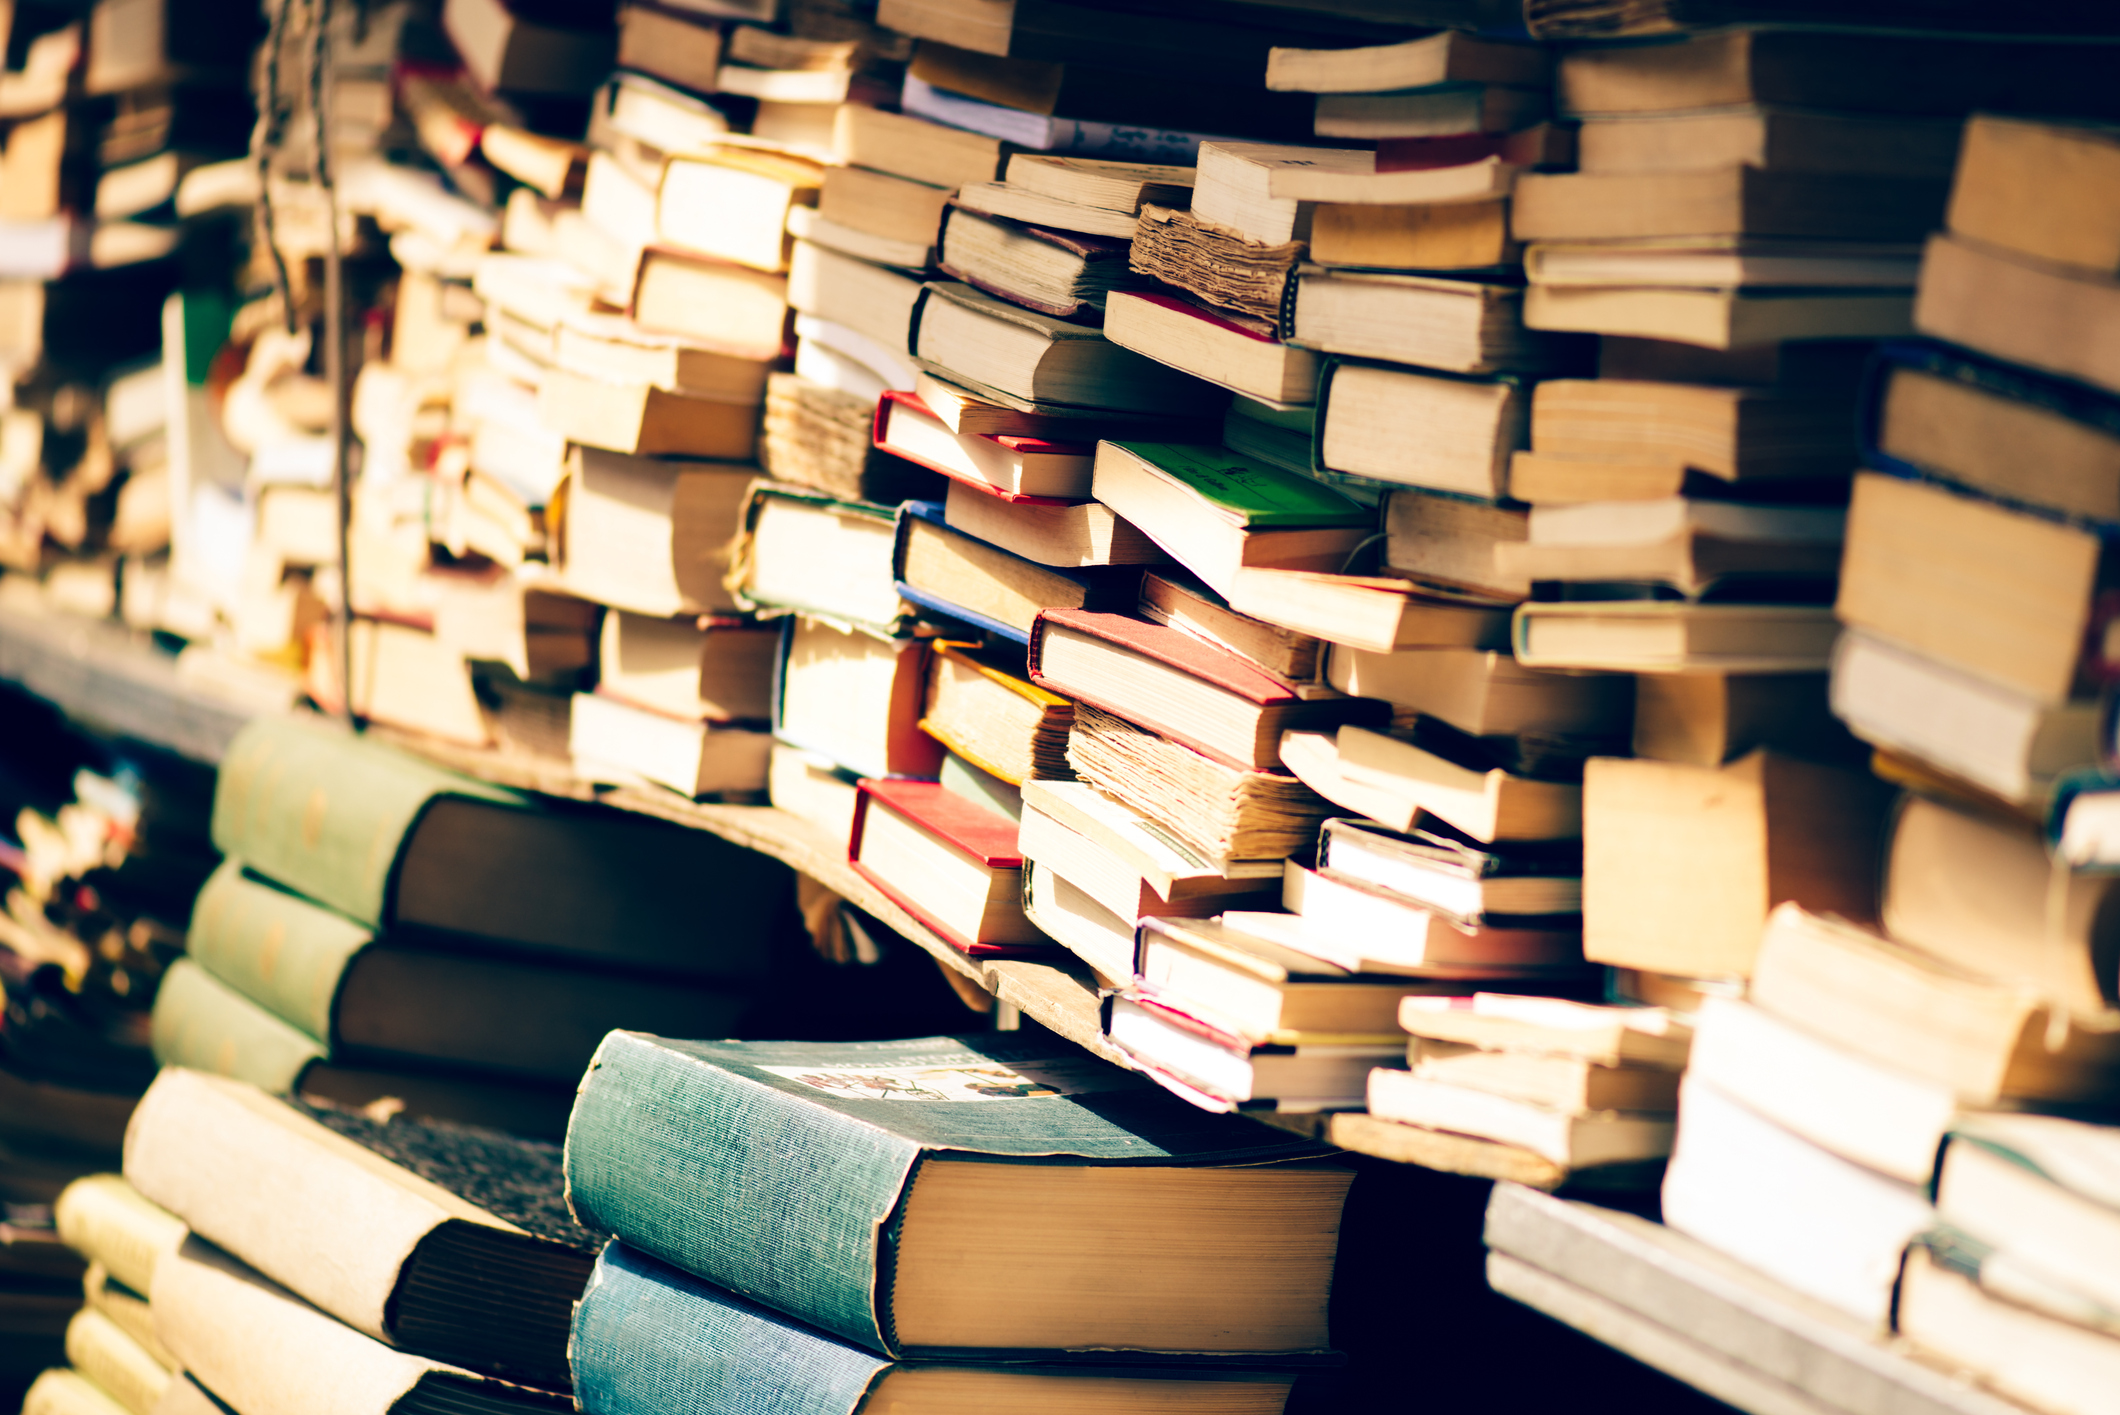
(648,1337)
(944,1196)
(962,577)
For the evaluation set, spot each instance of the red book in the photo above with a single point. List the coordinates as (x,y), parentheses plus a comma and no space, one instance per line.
(914,839)
(1180,687)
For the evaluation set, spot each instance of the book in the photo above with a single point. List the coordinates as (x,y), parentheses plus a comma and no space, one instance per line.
(1233,47)
(238,1332)
(1455,326)
(969,414)
(1734,434)
(1731,201)
(670,45)
(873,301)
(1892,585)
(1444,58)
(394,842)
(1486,803)
(951,863)
(1878,1116)
(1449,541)
(874,216)
(1566,1085)
(1574,1141)
(611,739)
(1753,262)
(1723,846)
(1247,283)
(2025,1190)
(1453,877)
(820,436)
(1182,335)
(59,1390)
(1556,19)
(719,673)
(1234,1073)
(1832,71)
(790,533)
(107,1220)
(1444,111)
(1099,939)
(1017,465)
(346,988)
(1233,188)
(1044,267)
(938,1298)
(914,148)
(1170,683)
(1770,137)
(1378,613)
(732,203)
(855,698)
(509,51)
(1253,987)
(1719,319)
(1997,428)
(651,1332)
(1956,885)
(650,535)
(203,1024)
(813,788)
(1446,236)
(1216,514)
(1176,601)
(1600,1035)
(961,577)
(997,720)
(1691,545)
(1032,207)
(1999,740)
(643,420)
(1422,429)
(438,1205)
(1224,813)
(1831,1229)
(114,1362)
(2014,181)
(1106,185)
(1711,718)
(615,350)
(1949,1307)
(1113,878)
(732,306)
(1484,692)
(984,342)
(2012,308)
(1131,843)
(403,676)
(1664,636)
(1370,930)
(1903,1008)
(1046,531)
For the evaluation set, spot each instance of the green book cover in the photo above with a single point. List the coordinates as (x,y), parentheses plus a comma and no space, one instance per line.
(277,949)
(1249,492)
(202,1023)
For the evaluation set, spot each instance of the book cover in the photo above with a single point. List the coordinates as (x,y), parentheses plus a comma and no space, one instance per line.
(1100,584)
(1251,494)
(1174,647)
(1032,446)
(802,1151)
(326,812)
(978,833)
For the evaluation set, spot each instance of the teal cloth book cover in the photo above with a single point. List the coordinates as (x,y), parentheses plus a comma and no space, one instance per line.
(774,1168)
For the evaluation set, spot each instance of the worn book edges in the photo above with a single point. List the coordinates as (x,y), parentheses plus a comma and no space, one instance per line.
(391,841)
(1172,683)
(1005,464)
(1253,1276)
(997,720)
(650,1334)
(1223,1072)
(1440,869)
(431,1224)
(815,553)
(961,577)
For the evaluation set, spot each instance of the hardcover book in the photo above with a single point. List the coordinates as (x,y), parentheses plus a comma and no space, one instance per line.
(961,577)
(844,1136)
(950,862)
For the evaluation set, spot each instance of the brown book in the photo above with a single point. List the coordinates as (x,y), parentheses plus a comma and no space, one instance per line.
(1215,265)
(1706,719)
(1175,601)
(1773,139)
(676,46)
(1457,236)
(1082,533)
(1727,201)
(738,309)
(1682,864)
(1983,895)
(1720,318)
(1822,70)
(1735,434)
(1422,429)
(1448,540)
(1956,420)
(1459,326)
(881,204)
(2050,318)
(916,149)
(1999,593)
(1484,692)
(820,437)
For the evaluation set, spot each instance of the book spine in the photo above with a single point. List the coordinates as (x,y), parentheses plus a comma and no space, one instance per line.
(651,1340)
(277,949)
(203,1023)
(324,812)
(100,1350)
(735,1182)
(111,1223)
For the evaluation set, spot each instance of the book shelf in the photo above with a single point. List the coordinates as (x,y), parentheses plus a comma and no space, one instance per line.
(119,682)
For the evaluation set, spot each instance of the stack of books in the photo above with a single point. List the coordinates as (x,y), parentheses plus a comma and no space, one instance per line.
(382,927)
